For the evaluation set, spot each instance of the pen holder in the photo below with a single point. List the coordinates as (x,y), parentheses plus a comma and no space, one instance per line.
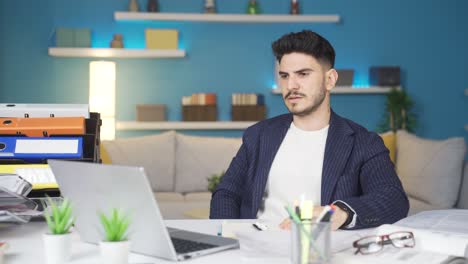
(310,243)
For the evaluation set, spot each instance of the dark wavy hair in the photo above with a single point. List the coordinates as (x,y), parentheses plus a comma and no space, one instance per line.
(307,42)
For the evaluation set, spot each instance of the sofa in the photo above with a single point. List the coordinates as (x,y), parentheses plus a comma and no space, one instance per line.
(177,166)
(433,172)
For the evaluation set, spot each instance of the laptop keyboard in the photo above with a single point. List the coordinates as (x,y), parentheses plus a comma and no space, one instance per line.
(185,246)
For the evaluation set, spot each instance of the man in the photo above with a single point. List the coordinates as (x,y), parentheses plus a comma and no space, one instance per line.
(311,152)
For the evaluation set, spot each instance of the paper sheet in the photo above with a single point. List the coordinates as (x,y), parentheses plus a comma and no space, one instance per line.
(452,221)
(342,240)
(264,244)
(391,255)
(433,241)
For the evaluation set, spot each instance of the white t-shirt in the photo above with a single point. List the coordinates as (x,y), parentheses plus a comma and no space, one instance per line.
(296,171)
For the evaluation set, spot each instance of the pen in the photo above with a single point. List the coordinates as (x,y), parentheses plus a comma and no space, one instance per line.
(259,226)
(326,214)
(293,215)
(297,209)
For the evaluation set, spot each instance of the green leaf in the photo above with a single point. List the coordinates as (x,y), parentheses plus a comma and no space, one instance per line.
(115,226)
(106,225)
(58,218)
(65,219)
(50,224)
(398,112)
(69,225)
(122,229)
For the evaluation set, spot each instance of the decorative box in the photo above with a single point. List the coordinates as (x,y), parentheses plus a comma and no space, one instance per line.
(73,37)
(162,39)
(248,112)
(199,113)
(384,75)
(345,77)
(151,112)
(82,37)
(64,37)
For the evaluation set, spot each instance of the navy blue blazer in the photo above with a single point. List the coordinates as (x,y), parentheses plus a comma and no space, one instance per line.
(356,169)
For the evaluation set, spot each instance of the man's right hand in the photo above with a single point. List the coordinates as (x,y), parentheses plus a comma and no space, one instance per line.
(337,220)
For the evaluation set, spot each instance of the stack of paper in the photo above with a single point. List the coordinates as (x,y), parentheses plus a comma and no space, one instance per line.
(441,236)
(15,183)
(39,175)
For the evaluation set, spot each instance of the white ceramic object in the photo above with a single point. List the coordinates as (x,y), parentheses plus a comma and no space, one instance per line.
(3,248)
(57,248)
(114,252)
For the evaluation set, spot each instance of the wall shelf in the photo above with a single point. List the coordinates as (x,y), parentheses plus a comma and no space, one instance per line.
(114,53)
(231,18)
(170,125)
(352,90)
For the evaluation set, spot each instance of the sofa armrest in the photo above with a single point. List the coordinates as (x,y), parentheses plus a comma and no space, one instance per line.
(463,197)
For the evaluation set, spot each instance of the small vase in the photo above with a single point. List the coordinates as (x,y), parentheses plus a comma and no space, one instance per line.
(133,6)
(294,7)
(57,248)
(210,7)
(117,41)
(152,6)
(253,8)
(114,252)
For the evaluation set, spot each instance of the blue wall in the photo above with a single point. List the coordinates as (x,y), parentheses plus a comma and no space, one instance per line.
(428,39)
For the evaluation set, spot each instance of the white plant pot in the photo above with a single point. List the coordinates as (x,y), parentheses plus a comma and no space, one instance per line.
(57,248)
(114,252)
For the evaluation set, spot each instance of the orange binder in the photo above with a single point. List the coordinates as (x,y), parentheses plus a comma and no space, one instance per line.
(42,127)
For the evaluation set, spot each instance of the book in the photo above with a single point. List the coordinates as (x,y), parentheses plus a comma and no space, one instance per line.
(39,175)
(441,236)
(247,99)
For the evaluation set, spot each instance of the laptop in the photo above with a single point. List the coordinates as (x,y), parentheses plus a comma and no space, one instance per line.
(94,188)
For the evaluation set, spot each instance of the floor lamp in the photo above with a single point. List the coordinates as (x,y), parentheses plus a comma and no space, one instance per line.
(102,95)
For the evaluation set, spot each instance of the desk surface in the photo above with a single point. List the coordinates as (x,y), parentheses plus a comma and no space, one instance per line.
(26,246)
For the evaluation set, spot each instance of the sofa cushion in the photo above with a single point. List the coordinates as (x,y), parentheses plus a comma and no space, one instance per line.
(417,206)
(389,139)
(199,158)
(198,196)
(105,158)
(430,170)
(156,153)
(168,197)
(463,197)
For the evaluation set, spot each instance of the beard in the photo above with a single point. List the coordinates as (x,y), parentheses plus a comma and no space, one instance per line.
(317,102)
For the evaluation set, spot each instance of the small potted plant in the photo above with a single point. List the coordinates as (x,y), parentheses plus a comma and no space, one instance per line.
(214,180)
(57,243)
(398,112)
(116,246)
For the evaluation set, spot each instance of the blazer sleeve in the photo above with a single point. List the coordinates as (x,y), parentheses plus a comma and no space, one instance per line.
(383,199)
(226,199)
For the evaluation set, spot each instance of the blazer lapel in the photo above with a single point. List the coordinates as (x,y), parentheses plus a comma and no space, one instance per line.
(337,150)
(269,145)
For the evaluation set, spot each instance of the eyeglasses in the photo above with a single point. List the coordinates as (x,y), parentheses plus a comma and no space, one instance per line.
(373,244)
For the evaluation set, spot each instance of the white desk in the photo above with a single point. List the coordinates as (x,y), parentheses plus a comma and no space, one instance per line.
(26,246)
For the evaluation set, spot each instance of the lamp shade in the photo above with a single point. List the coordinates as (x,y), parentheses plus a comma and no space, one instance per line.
(102,95)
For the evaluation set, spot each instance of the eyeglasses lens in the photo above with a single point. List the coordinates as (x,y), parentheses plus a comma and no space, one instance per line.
(370,245)
(402,239)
